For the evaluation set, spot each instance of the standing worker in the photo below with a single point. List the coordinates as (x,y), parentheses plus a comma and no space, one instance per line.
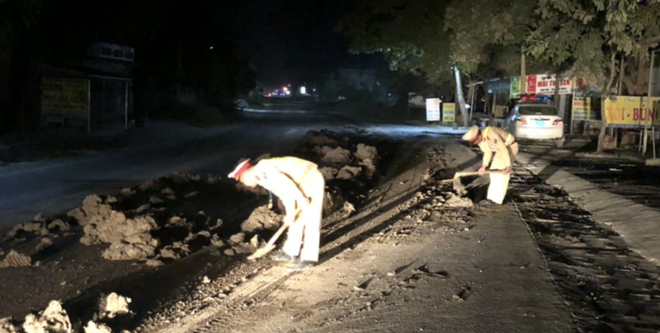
(500,146)
(301,188)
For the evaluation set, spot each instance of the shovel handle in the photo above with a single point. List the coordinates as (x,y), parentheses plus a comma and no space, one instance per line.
(476,173)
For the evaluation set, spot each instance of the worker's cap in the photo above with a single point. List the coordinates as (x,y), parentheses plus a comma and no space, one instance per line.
(471,134)
(242,165)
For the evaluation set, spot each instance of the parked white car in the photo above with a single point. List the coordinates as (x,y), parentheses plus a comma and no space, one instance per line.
(535,120)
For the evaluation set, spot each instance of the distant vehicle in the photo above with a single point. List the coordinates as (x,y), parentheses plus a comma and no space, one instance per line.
(536,119)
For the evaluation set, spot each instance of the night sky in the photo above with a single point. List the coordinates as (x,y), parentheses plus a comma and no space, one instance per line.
(295,40)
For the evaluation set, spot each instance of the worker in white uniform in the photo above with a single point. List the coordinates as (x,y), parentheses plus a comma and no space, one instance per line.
(500,146)
(301,188)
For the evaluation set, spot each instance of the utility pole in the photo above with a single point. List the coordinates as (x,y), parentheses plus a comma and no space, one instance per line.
(649,105)
(523,73)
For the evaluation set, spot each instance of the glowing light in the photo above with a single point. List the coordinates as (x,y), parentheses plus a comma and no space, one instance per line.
(303,90)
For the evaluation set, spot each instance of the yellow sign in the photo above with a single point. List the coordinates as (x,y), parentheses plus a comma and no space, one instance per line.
(581,108)
(65,96)
(448,112)
(632,111)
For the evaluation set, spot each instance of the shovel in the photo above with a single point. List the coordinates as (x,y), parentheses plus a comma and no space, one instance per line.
(458,185)
(270,246)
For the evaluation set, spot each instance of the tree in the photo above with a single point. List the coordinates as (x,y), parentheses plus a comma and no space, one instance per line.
(478,39)
(586,37)
(485,37)
(409,34)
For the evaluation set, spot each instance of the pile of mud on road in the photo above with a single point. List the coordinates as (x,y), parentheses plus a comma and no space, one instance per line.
(149,241)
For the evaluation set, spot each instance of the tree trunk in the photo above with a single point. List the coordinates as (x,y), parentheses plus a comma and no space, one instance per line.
(460,98)
(642,76)
(630,86)
(603,126)
(486,97)
(622,70)
(471,92)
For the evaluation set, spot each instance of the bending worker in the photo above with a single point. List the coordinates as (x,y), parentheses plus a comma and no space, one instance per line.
(300,186)
(500,146)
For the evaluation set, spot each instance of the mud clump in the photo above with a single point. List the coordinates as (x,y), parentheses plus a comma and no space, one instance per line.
(112,305)
(338,155)
(117,228)
(38,226)
(44,244)
(124,251)
(328,173)
(315,138)
(93,327)
(455,201)
(6,326)
(129,238)
(260,219)
(15,259)
(93,206)
(59,225)
(367,157)
(349,172)
(53,319)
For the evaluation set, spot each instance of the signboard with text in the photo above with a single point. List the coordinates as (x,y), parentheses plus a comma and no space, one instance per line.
(515,87)
(448,112)
(582,108)
(112,51)
(61,96)
(632,111)
(544,84)
(432,109)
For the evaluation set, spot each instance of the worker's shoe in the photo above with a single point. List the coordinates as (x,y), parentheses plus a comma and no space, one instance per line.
(283,257)
(487,203)
(300,266)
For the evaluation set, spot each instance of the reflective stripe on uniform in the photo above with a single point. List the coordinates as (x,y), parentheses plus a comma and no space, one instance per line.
(484,135)
(509,140)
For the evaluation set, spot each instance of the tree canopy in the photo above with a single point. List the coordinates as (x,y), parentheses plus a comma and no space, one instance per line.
(485,37)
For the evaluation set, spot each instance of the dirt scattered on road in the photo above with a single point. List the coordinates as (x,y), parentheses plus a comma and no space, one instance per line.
(608,287)
(153,228)
(53,319)
(112,305)
(15,259)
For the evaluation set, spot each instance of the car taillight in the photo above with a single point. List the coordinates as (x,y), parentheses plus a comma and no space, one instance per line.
(557,122)
(521,121)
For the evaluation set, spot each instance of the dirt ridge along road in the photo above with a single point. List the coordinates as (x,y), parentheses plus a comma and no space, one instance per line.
(188,237)
(248,283)
(406,262)
(607,286)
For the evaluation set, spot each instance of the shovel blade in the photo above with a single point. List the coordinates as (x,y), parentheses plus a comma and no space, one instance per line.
(261,252)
